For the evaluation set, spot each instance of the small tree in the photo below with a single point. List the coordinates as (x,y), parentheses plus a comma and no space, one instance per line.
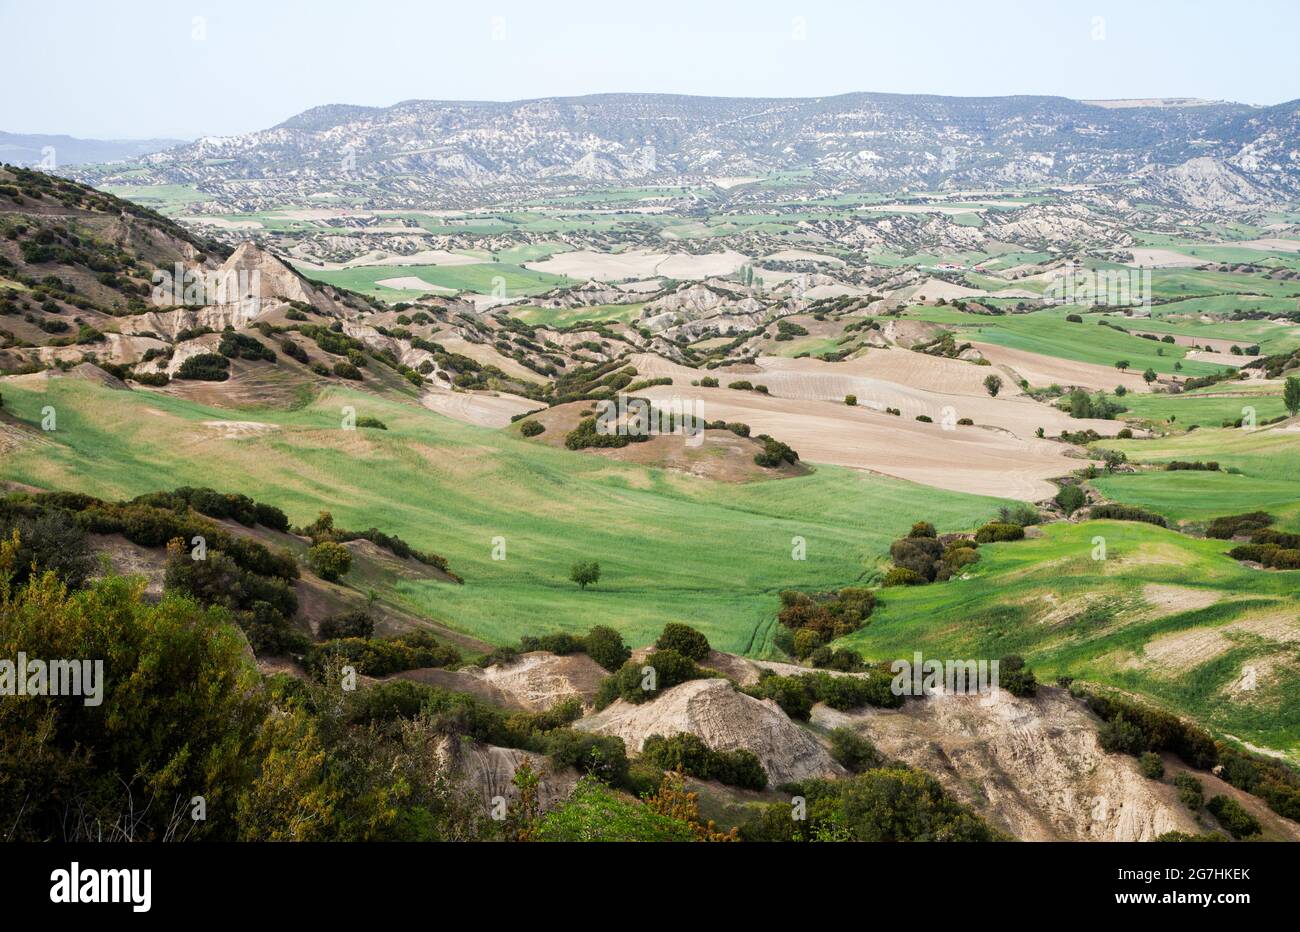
(585,573)
(1122,365)
(1291,395)
(994,384)
(850,400)
(1149,375)
(329,560)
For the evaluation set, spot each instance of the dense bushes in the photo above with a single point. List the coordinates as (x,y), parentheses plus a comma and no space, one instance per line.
(49,540)
(323,529)
(1082,405)
(854,752)
(688,754)
(638,682)
(381,656)
(531,428)
(774,453)
(685,640)
(1233,816)
(1274,549)
(997,531)
(1116,512)
(1071,498)
(1191,465)
(205,367)
(602,644)
(922,557)
(1015,677)
(1229,526)
(605,646)
(882,804)
(329,561)
(1273,781)
(241,346)
(796,695)
(1151,766)
(1133,727)
(1270,555)
(352,624)
(828,615)
(1190,792)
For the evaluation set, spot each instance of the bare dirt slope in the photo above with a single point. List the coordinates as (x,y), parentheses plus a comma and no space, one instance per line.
(725,719)
(1032,767)
(538,680)
(980,460)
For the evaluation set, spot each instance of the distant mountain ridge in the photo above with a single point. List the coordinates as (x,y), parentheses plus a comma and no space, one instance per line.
(31,150)
(422,150)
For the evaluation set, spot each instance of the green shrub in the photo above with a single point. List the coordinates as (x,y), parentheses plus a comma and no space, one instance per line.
(1118,512)
(205,367)
(854,752)
(1151,766)
(1015,677)
(1229,526)
(638,682)
(1233,816)
(685,640)
(605,646)
(1071,498)
(902,576)
(1190,792)
(996,531)
(329,561)
(531,428)
(353,624)
(1120,735)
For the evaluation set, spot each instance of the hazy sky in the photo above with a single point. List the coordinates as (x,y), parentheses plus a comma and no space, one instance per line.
(185,68)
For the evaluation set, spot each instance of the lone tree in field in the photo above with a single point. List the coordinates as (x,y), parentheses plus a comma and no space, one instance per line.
(1122,365)
(1149,375)
(585,573)
(1291,395)
(994,384)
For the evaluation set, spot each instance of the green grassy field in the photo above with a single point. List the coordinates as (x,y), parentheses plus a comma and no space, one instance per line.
(564,316)
(480,279)
(1048,332)
(1069,614)
(1265,464)
(1176,318)
(1205,410)
(671,547)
